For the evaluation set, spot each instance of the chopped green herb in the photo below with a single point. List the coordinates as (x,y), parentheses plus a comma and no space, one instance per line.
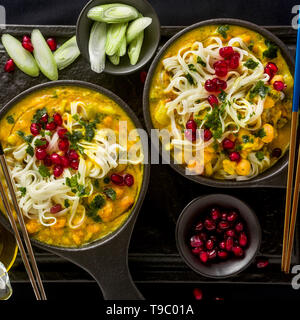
(96,183)
(259,89)
(222,30)
(92,209)
(67,203)
(200,61)
(260,155)
(30,150)
(37,116)
(111,193)
(10,119)
(106,180)
(39,142)
(222,96)
(77,188)
(44,171)
(213,121)
(192,67)
(251,45)
(271,52)
(245,138)
(190,79)
(238,148)
(23,191)
(75,117)
(261,133)
(251,64)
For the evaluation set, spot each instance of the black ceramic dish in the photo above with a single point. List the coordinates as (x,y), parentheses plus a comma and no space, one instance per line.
(151,38)
(195,211)
(267,177)
(105,259)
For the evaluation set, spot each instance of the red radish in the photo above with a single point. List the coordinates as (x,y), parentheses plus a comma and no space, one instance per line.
(52,44)
(56,208)
(9,66)
(58,170)
(35,129)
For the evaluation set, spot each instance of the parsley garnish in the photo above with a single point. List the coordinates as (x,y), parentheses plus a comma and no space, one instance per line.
(259,89)
(92,209)
(251,64)
(261,133)
(189,78)
(251,45)
(23,191)
(111,193)
(222,30)
(245,138)
(271,52)
(10,119)
(44,171)
(200,61)
(260,155)
(192,67)
(213,121)
(106,180)
(222,96)
(30,150)
(67,203)
(75,186)
(39,142)
(37,116)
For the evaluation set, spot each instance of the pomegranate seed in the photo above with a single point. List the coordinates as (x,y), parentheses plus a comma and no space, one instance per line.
(143,76)
(235,156)
(228,144)
(207,135)
(190,135)
(210,86)
(212,254)
(203,256)
(213,100)
(57,119)
(243,240)
(9,66)
(210,244)
(230,233)
(62,133)
(63,144)
(232,216)
(117,179)
(196,241)
(226,52)
(72,155)
(129,180)
(52,44)
(28,46)
(58,170)
(276,152)
(213,238)
(209,224)
(40,153)
(222,254)
(26,39)
(35,129)
(65,161)
(229,244)
(262,263)
(278,85)
(191,125)
(44,118)
(51,126)
(215,213)
(202,236)
(197,250)
(237,251)
(234,61)
(272,66)
(198,294)
(44,146)
(199,226)
(220,84)
(224,216)
(56,208)
(223,225)
(239,227)
(219,299)
(74,164)
(222,245)
(221,68)
(55,158)
(48,161)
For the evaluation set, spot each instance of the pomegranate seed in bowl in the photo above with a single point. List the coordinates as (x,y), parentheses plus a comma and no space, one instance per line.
(52,44)
(9,66)
(226,52)
(56,208)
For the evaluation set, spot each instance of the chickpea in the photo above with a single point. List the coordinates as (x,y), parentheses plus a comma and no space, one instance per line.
(270,133)
(243,167)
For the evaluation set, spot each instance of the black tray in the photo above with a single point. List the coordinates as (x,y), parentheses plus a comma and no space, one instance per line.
(153,256)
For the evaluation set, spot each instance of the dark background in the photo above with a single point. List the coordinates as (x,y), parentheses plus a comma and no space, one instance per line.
(170,12)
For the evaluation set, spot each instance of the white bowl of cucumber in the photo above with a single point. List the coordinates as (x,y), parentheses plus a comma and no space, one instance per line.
(118,36)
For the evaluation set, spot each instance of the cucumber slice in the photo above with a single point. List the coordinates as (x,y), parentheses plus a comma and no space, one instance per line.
(135,48)
(97,43)
(22,58)
(115,59)
(43,55)
(122,49)
(115,34)
(137,26)
(66,54)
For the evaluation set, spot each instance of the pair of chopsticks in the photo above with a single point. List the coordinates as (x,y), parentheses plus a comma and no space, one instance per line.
(291,216)
(32,269)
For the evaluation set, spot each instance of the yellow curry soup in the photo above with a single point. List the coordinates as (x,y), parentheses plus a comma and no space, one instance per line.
(236,86)
(73,203)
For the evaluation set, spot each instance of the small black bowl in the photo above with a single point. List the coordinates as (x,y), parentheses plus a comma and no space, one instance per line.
(151,38)
(187,221)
